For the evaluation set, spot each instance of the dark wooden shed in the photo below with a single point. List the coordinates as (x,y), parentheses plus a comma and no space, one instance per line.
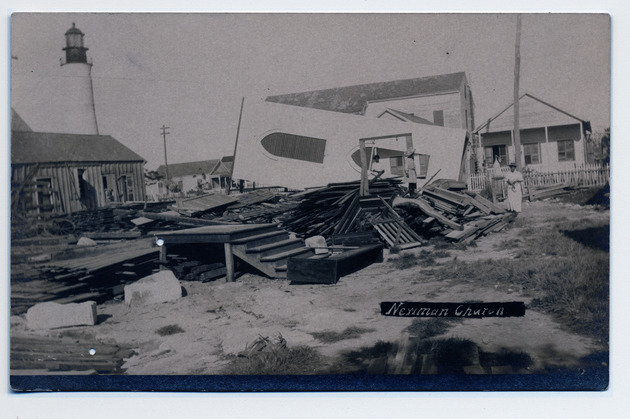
(63,173)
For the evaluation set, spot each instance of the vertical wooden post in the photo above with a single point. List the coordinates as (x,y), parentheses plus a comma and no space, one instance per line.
(517,72)
(229,262)
(228,188)
(365,189)
(409,142)
(162,257)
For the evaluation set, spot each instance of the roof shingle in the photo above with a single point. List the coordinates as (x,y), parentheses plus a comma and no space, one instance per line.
(45,147)
(353,99)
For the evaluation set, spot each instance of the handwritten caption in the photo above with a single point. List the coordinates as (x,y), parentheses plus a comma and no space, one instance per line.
(468,310)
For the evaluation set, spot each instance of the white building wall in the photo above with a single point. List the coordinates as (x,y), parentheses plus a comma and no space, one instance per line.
(342,133)
(423,106)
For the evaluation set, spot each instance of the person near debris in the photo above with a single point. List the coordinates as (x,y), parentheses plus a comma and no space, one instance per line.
(410,171)
(514,180)
(496,166)
(377,166)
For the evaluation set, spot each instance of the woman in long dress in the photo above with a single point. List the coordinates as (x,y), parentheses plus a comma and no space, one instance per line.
(410,171)
(514,180)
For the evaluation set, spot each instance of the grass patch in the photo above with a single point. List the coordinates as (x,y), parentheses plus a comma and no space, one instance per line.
(362,360)
(428,328)
(441,254)
(332,337)
(508,244)
(394,250)
(427,356)
(405,261)
(439,243)
(424,257)
(169,330)
(301,360)
(569,278)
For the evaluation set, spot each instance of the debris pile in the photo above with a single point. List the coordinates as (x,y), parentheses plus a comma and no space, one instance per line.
(457,216)
(326,211)
(442,208)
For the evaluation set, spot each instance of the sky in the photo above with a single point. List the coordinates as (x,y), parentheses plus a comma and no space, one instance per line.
(189,71)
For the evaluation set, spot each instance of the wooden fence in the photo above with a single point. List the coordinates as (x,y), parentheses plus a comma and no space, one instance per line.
(586,175)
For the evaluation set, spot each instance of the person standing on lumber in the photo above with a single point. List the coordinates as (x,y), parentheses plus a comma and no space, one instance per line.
(377,166)
(410,171)
(514,180)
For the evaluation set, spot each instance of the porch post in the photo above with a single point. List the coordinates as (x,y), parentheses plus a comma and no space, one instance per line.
(229,262)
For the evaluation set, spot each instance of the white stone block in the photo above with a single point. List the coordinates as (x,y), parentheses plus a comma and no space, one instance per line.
(157,288)
(318,242)
(51,315)
(85,241)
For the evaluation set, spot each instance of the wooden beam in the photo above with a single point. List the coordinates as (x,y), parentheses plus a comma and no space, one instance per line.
(162,256)
(364,170)
(229,262)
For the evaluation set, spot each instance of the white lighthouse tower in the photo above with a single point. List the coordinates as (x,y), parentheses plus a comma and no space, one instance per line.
(77,97)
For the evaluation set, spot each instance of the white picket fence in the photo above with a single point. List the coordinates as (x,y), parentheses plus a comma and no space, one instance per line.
(585,175)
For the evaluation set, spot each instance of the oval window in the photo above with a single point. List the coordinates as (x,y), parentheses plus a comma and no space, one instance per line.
(295,147)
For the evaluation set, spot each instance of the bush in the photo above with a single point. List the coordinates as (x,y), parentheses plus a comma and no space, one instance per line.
(169,330)
(332,337)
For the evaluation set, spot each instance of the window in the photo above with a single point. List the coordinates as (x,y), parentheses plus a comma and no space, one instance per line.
(492,152)
(127,187)
(532,153)
(44,195)
(295,147)
(566,150)
(396,165)
(423,168)
(438,118)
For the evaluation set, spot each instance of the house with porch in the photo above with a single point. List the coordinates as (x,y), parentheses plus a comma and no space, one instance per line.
(551,138)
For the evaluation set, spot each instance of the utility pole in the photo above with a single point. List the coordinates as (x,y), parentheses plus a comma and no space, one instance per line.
(517,72)
(164,134)
(238,130)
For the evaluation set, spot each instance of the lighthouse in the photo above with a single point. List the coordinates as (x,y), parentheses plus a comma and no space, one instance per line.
(77,96)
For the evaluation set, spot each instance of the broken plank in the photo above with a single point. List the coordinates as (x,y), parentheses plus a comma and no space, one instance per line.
(427,209)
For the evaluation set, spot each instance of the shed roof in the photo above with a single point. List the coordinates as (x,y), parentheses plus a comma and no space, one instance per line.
(45,147)
(353,99)
(223,168)
(189,168)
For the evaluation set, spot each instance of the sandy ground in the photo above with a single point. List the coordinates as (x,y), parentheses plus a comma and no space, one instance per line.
(219,318)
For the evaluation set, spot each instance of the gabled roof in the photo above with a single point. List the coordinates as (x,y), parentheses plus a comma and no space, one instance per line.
(224,168)
(353,99)
(189,168)
(489,120)
(404,116)
(17,123)
(44,147)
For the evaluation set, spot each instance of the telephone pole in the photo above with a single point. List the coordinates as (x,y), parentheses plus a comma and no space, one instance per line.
(164,134)
(517,73)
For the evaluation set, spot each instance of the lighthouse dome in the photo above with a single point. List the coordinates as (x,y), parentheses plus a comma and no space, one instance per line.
(74,31)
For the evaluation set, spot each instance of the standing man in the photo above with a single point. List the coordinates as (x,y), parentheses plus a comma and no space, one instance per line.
(410,171)
(377,166)
(514,180)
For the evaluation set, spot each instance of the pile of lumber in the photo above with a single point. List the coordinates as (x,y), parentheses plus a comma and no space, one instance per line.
(84,355)
(442,208)
(459,216)
(97,277)
(546,192)
(322,211)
